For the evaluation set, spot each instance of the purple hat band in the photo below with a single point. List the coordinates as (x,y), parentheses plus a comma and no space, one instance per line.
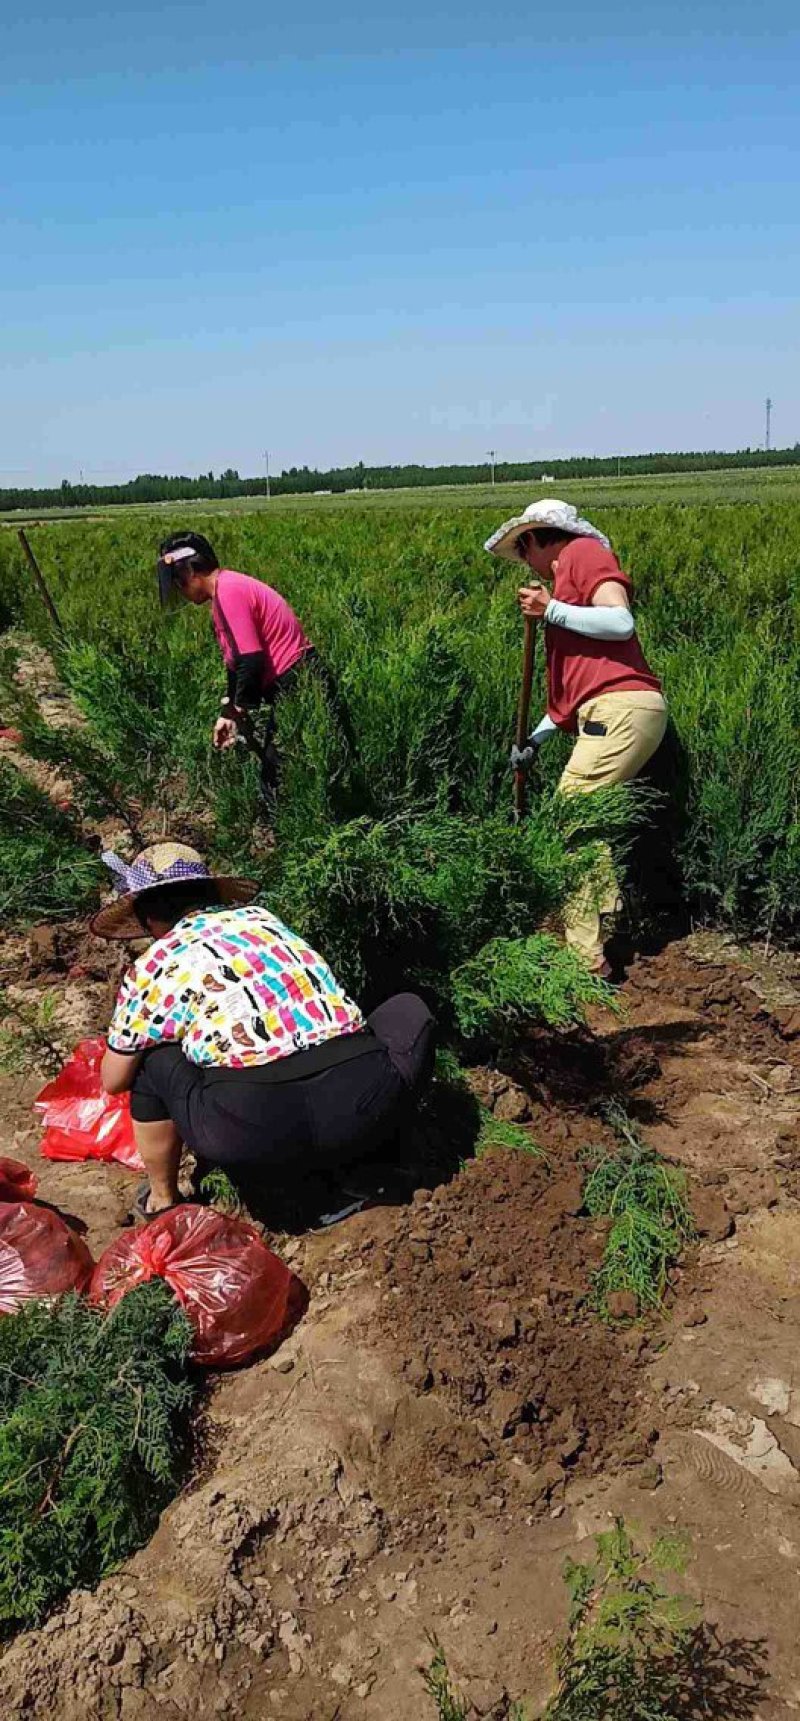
(142,875)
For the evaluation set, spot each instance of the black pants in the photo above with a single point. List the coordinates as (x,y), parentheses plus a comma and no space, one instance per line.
(280,689)
(241,1117)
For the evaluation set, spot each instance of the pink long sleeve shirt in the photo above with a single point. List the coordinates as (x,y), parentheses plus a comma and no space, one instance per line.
(252,618)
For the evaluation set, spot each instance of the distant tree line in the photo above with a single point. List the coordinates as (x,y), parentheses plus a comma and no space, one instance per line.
(300,480)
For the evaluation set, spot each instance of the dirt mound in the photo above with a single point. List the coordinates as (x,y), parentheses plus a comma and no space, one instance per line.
(488,1302)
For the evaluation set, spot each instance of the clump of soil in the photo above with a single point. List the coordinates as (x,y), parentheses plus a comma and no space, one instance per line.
(488,1302)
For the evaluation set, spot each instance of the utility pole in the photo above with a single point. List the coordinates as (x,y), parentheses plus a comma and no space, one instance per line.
(266,467)
(769,415)
(491,452)
(618,465)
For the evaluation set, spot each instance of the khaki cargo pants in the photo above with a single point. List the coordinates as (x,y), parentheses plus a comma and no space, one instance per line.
(634,724)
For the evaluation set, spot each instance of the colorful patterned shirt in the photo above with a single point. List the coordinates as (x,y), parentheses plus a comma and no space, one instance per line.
(235,987)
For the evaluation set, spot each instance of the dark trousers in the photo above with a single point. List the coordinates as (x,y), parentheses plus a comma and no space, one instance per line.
(241,1117)
(284,685)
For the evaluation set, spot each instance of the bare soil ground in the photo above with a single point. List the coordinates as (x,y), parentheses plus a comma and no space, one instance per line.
(450,1420)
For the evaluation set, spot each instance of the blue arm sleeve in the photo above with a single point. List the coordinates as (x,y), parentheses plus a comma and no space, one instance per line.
(543,731)
(601,621)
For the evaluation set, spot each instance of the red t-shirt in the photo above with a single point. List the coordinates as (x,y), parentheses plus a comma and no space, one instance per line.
(579,668)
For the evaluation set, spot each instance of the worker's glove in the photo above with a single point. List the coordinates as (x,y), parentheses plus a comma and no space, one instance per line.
(522,757)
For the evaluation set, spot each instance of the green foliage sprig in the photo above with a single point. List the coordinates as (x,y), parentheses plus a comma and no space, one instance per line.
(495,1134)
(30,1036)
(45,872)
(621,1657)
(93,1430)
(651,1218)
(450,1706)
(510,982)
(217,1188)
(627,1650)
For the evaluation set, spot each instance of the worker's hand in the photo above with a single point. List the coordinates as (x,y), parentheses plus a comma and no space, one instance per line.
(522,758)
(226,730)
(533,601)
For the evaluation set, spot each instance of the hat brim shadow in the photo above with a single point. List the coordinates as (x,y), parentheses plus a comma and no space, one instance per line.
(119,919)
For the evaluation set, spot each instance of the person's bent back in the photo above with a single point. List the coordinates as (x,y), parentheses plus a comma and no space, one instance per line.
(234,1036)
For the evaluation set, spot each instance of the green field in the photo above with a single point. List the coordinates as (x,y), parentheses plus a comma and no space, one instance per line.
(396,850)
(737,484)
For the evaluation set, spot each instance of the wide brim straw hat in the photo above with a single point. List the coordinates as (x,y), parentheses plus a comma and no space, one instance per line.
(557,516)
(161,864)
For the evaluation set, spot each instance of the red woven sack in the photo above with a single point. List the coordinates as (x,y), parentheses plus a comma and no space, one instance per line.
(81,1120)
(39,1255)
(239,1297)
(17,1183)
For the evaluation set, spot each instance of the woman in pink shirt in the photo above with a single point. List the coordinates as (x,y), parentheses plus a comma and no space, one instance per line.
(260,638)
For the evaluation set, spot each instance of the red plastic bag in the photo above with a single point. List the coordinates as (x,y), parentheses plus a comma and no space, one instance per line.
(17,1183)
(81,1120)
(39,1255)
(238,1296)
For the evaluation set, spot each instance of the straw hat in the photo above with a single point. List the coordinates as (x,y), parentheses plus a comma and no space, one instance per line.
(558,516)
(161,864)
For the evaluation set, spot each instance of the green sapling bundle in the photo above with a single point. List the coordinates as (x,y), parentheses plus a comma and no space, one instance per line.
(94,1413)
(651,1220)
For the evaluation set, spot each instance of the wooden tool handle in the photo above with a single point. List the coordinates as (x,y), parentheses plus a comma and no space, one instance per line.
(524,711)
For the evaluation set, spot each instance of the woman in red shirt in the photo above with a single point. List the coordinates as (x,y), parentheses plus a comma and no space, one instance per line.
(599,684)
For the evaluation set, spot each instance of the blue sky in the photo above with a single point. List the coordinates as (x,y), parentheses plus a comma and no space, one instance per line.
(348,236)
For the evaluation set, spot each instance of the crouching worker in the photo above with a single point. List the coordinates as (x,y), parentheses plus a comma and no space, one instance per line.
(235,1038)
(599,684)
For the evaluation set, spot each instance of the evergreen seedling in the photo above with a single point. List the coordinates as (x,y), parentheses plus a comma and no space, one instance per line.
(496,1133)
(627,1639)
(32,1039)
(93,1434)
(514,981)
(449,1705)
(219,1191)
(651,1218)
